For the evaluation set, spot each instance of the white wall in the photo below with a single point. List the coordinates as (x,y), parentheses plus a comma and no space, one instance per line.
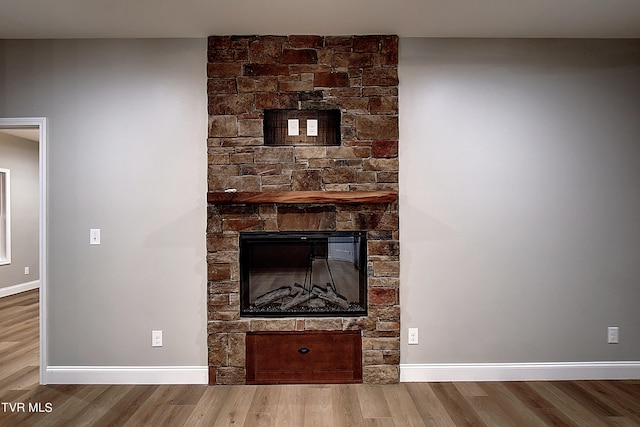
(520,200)
(21,157)
(127,154)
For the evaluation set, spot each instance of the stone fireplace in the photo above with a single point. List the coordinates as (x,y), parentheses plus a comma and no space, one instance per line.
(347,186)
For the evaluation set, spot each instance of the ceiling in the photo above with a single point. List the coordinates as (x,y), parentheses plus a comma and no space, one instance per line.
(32,134)
(407,18)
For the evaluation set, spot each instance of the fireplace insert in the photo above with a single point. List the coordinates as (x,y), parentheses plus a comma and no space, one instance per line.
(303,274)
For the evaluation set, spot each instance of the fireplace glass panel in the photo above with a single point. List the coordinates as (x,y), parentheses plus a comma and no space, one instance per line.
(303,274)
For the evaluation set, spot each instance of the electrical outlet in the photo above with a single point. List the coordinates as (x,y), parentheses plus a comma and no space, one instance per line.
(613,334)
(156,338)
(26,270)
(413,336)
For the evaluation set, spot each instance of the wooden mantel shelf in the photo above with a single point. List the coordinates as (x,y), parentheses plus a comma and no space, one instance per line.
(351,197)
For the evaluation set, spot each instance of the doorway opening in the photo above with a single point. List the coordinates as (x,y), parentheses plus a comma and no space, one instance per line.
(20,133)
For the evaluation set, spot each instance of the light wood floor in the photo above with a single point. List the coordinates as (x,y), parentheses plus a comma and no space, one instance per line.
(570,403)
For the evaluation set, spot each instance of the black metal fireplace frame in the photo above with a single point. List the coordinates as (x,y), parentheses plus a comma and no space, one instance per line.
(303,237)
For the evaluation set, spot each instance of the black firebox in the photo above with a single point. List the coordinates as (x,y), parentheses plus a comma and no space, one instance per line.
(299,274)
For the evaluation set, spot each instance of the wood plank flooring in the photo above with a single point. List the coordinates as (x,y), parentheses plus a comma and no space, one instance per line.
(541,403)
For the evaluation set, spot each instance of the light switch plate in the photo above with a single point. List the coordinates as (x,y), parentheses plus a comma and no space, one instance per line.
(293,127)
(94,236)
(312,127)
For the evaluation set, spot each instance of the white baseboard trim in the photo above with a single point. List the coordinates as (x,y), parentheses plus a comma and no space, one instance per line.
(553,371)
(126,375)
(21,287)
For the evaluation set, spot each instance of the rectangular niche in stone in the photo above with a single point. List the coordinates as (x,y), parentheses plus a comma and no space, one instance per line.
(314,127)
(303,274)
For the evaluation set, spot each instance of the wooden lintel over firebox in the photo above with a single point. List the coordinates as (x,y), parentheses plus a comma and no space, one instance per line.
(348,197)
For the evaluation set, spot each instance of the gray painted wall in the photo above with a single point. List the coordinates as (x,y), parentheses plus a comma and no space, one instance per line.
(520,199)
(126,154)
(519,177)
(21,157)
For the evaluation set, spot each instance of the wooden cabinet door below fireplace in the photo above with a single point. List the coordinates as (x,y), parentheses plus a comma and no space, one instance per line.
(304,357)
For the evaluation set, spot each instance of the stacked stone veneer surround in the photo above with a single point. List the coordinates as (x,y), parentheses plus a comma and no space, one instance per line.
(356,74)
